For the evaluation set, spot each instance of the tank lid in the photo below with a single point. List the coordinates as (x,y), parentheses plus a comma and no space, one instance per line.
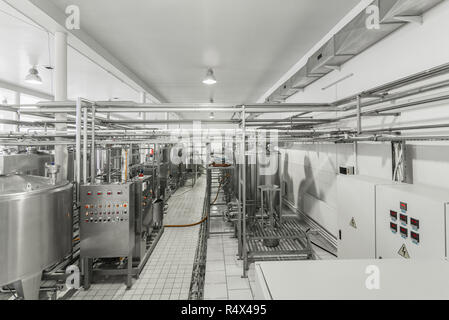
(13,184)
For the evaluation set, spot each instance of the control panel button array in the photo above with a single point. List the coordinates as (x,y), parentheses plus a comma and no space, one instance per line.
(405,222)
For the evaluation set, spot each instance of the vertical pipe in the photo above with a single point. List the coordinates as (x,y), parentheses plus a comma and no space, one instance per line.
(245,253)
(78,148)
(93,164)
(240,197)
(85,142)
(60,93)
(359,114)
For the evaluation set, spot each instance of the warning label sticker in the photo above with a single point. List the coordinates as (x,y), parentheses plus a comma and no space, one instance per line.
(353,224)
(403,252)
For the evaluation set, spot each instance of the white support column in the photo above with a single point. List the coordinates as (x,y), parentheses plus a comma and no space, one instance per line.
(143,99)
(167,117)
(17,115)
(60,93)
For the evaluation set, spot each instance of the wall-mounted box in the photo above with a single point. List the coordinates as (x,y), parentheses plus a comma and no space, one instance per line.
(357,215)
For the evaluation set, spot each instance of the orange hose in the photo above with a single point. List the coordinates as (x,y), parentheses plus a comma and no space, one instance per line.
(186,225)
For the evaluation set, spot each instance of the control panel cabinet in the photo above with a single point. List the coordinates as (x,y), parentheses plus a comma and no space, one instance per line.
(356,207)
(411,222)
(107,220)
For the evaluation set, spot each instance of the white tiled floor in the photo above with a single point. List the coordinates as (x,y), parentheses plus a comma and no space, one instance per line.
(168,273)
(224,270)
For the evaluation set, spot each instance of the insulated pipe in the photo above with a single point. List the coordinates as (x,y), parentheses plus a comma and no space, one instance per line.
(375,138)
(93,166)
(17,96)
(78,148)
(291,120)
(139,121)
(359,114)
(398,83)
(143,108)
(132,110)
(38,143)
(395,107)
(291,105)
(404,94)
(281,108)
(85,142)
(60,92)
(407,128)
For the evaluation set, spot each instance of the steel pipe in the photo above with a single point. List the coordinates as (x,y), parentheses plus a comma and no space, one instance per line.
(439,70)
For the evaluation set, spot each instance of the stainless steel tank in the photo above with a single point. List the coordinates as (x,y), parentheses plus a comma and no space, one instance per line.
(35,229)
(158,213)
(268,173)
(251,185)
(30,161)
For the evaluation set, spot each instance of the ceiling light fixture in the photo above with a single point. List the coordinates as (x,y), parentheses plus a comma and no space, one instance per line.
(33,76)
(210,78)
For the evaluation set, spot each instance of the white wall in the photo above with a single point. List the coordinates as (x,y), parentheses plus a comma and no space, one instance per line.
(310,169)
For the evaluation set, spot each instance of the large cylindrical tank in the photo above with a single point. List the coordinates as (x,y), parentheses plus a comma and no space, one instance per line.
(251,186)
(35,226)
(268,173)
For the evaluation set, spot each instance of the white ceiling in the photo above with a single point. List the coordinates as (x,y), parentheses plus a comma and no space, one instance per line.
(169,44)
(25,44)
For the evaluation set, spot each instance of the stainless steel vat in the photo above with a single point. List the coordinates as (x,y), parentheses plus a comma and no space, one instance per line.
(35,229)
(29,162)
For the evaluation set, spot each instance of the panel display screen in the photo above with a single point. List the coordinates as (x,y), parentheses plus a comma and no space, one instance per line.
(414,222)
(403,218)
(404,231)
(394,227)
(403,206)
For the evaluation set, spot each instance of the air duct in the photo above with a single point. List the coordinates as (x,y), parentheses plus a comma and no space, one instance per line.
(352,40)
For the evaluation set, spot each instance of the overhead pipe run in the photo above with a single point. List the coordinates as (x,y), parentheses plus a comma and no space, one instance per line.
(45,108)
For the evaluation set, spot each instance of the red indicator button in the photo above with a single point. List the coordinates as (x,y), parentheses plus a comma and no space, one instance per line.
(89,193)
(99,193)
